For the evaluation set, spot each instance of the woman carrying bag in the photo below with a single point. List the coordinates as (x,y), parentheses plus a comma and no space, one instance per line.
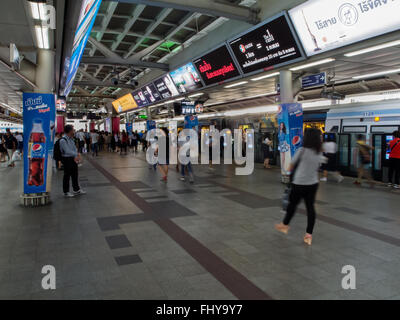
(304,168)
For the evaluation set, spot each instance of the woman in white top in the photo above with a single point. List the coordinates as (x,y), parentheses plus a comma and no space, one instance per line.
(306,163)
(267,148)
(329,148)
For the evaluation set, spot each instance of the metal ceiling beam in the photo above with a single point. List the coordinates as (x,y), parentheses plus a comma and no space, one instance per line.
(160,17)
(124,62)
(208,7)
(128,25)
(99,83)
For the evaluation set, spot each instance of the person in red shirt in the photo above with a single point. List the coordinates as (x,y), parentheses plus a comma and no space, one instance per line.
(394,159)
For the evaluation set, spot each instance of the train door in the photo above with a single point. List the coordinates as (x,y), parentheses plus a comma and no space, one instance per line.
(380,159)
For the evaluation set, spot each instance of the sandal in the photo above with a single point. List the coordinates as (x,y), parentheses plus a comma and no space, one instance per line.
(282,228)
(308,239)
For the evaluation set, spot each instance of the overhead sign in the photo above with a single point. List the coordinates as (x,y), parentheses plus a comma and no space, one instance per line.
(313,80)
(166,87)
(216,66)
(268,45)
(151,94)
(140,98)
(124,103)
(191,107)
(324,25)
(186,78)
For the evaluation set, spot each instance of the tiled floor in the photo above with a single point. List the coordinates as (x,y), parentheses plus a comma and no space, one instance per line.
(135,237)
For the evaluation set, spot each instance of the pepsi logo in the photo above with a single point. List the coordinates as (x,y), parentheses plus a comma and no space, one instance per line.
(36,147)
(242,48)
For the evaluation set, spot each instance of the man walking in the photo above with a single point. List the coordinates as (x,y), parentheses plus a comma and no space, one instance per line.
(70,160)
(11,145)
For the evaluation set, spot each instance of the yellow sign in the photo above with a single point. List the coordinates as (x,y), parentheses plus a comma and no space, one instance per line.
(124,103)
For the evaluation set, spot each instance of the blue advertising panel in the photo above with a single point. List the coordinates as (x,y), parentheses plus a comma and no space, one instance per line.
(39,112)
(290,134)
(186,78)
(313,80)
(191,121)
(128,128)
(150,124)
(81,37)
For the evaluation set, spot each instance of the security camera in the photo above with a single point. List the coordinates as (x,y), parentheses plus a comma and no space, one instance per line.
(115,81)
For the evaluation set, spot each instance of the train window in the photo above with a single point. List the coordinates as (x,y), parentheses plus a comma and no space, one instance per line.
(354,129)
(384,129)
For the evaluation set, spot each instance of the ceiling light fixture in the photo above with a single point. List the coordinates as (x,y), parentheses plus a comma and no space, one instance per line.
(196,95)
(374,48)
(236,84)
(38,10)
(377,74)
(266,76)
(42,37)
(312,64)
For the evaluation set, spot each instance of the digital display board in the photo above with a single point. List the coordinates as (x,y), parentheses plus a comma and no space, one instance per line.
(151,94)
(61,105)
(124,103)
(166,87)
(216,66)
(140,99)
(270,44)
(191,107)
(389,139)
(186,78)
(324,25)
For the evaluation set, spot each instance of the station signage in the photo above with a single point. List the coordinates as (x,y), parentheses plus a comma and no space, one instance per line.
(186,78)
(216,66)
(313,80)
(166,87)
(151,94)
(140,99)
(324,25)
(268,45)
(124,103)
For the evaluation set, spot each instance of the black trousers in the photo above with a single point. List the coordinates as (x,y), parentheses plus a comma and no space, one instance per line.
(308,193)
(70,171)
(394,169)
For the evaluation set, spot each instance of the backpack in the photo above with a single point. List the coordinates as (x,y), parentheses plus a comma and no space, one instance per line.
(57,155)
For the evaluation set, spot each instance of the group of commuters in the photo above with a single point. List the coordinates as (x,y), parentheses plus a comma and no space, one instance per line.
(11,147)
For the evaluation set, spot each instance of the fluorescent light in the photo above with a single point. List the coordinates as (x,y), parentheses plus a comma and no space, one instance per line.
(39,36)
(374,48)
(377,74)
(196,95)
(312,64)
(42,11)
(236,84)
(266,76)
(35,10)
(179,99)
(45,34)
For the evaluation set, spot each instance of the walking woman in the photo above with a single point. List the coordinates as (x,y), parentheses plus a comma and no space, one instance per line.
(304,168)
(267,149)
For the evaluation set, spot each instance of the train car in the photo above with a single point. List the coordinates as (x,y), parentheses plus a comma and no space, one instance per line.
(376,121)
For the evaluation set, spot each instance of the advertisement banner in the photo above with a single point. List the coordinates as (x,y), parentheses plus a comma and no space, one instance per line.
(290,134)
(186,78)
(124,103)
(191,122)
(128,128)
(39,112)
(324,25)
(150,125)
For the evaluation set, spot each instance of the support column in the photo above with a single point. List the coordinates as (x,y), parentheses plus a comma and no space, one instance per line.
(286,85)
(148,114)
(45,74)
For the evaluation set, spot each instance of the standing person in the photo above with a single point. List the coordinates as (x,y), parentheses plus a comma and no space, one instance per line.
(364,153)
(394,160)
(267,148)
(57,162)
(11,145)
(163,165)
(94,140)
(304,168)
(87,141)
(124,142)
(80,135)
(135,141)
(70,160)
(117,141)
(3,150)
(20,142)
(329,148)
(186,166)
(107,141)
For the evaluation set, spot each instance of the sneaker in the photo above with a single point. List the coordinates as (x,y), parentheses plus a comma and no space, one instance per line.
(182,178)
(69,195)
(79,192)
(324,179)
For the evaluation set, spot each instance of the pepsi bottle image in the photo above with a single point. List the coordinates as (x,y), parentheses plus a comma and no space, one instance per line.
(36,154)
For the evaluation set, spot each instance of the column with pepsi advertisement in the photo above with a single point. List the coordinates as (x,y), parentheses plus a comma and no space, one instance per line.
(290,133)
(39,113)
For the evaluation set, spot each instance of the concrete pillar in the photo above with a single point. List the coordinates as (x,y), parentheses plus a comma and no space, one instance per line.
(45,73)
(148,113)
(286,85)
